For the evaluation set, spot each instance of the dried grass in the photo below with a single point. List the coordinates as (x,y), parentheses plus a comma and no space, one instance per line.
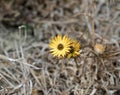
(27,67)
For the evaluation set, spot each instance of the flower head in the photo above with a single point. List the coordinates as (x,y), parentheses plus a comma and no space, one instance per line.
(99,48)
(74,49)
(60,46)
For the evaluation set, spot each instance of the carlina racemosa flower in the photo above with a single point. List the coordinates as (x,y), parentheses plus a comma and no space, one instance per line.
(60,46)
(74,49)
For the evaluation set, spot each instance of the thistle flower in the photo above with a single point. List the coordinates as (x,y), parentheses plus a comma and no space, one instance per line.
(60,46)
(74,49)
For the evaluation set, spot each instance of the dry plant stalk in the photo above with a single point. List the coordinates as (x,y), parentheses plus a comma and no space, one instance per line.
(26,65)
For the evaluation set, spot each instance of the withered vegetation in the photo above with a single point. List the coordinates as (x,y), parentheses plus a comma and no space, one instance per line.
(28,68)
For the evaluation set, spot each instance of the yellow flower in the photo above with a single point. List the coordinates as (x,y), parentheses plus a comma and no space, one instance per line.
(74,49)
(60,46)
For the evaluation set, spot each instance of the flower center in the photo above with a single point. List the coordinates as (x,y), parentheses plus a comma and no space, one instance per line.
(72,49)
(60,47)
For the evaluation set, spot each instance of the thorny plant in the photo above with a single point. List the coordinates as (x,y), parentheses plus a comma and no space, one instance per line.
(98,58)
(28,68)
